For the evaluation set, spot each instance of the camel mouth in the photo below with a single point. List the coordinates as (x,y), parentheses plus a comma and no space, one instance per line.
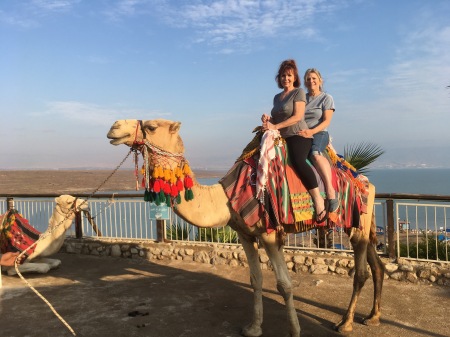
(118,140)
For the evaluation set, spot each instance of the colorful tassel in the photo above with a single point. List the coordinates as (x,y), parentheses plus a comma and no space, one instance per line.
(162,184)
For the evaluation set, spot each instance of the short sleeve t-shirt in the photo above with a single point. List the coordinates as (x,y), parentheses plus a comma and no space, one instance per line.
(315,108)
(284,108)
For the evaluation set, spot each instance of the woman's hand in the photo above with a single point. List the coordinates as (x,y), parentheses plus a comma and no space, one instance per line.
(265,118)
(268,126)
(9,258)
(306,133)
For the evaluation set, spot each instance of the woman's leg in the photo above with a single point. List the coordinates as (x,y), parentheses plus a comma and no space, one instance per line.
(299,148)
(323,167)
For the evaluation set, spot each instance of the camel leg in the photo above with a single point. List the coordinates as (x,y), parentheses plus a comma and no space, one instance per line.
(29,267)
(359,244)
(253,329)
(377,268)
(52,263)
(284,283)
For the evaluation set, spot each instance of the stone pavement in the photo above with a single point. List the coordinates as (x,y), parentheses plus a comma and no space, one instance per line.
(106,296)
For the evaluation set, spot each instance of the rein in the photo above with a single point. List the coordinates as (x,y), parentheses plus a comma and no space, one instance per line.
(73,210)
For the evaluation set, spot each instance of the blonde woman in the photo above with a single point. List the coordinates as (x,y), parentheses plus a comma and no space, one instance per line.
(318,114)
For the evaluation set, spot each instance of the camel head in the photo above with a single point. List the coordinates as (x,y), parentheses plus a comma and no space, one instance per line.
(160,132)
(67,203)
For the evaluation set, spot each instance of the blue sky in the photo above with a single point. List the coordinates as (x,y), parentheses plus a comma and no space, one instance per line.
(70,68)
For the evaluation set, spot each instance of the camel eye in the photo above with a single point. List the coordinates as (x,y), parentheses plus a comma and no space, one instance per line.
(151,128)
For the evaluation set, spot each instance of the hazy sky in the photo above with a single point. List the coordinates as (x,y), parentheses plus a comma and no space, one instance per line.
(70,68)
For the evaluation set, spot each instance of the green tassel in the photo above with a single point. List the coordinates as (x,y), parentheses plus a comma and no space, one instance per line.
(188,195)
(153,196)
(168,203)
(146,195)
(161,197)
(179,198)
(157,202)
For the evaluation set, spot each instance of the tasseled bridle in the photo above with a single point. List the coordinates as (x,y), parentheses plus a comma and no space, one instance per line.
(162,181)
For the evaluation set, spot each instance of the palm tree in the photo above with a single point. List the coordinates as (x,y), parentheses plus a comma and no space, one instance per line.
(362,155)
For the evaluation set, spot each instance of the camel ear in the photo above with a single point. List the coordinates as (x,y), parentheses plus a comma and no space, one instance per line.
(174,127)
(63,199)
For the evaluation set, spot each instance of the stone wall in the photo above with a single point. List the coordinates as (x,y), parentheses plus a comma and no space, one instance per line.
(298,261)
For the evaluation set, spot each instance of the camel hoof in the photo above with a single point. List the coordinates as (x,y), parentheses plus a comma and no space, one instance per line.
(374,321)
(251,331)
(343,328)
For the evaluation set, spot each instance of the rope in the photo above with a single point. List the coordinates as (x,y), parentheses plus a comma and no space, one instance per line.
(47,233)
(163,152)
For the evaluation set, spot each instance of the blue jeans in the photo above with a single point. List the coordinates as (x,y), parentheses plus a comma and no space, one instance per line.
(320,142)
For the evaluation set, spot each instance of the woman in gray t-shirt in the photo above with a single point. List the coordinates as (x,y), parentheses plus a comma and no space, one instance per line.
(318,114)
(287,116)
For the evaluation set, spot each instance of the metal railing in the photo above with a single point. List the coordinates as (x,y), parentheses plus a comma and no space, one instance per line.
(408,226)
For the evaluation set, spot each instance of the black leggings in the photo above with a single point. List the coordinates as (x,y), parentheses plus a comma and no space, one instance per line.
(299,148)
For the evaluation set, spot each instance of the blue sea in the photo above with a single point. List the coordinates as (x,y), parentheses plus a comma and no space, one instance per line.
(412,181)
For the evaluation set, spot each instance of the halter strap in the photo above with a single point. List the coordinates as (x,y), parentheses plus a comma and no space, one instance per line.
(139,123)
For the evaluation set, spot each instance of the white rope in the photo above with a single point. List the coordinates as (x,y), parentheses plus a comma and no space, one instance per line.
(48,232)
(160,151)
(16,266)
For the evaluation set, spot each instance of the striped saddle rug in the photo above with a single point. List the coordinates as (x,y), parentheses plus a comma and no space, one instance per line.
(286,201)
(16,234)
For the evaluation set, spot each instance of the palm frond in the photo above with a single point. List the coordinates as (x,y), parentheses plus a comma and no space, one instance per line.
(362,155)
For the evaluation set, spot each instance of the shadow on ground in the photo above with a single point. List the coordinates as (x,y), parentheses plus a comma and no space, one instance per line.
(127,297)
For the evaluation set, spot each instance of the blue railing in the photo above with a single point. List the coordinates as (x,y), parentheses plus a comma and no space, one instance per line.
(411,226)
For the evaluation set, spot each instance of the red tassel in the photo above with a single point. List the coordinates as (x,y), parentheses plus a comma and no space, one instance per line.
(166,188)
(180,186)
(188,183)
(174,191)
(157,186)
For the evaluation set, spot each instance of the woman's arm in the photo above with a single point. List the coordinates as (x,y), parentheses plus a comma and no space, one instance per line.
(326,120)
(297,115)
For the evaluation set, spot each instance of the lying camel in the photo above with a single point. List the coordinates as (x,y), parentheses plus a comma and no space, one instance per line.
(53,238)
(161,144)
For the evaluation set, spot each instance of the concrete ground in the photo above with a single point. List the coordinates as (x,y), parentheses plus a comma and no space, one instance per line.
(100,296)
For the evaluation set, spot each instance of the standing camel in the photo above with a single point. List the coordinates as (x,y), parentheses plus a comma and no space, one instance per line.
(52,239)
(160,141)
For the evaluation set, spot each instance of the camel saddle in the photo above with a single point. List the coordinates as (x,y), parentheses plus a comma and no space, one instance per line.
(286,201)
(16,233)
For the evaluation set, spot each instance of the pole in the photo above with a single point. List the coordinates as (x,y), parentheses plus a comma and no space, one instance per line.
(78,227)
(390,228)
(10,203)
(161,230)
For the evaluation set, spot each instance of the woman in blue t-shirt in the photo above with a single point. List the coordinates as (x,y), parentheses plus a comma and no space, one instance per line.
(318,113)
(287,116)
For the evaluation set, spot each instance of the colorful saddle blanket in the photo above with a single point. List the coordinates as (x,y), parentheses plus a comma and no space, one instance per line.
(16,234)
(286,201)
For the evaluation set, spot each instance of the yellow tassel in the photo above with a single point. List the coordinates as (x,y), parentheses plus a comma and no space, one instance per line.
(159,172)
(155,172)
(178,172)
(186,169)
(173,178)
(167,174)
